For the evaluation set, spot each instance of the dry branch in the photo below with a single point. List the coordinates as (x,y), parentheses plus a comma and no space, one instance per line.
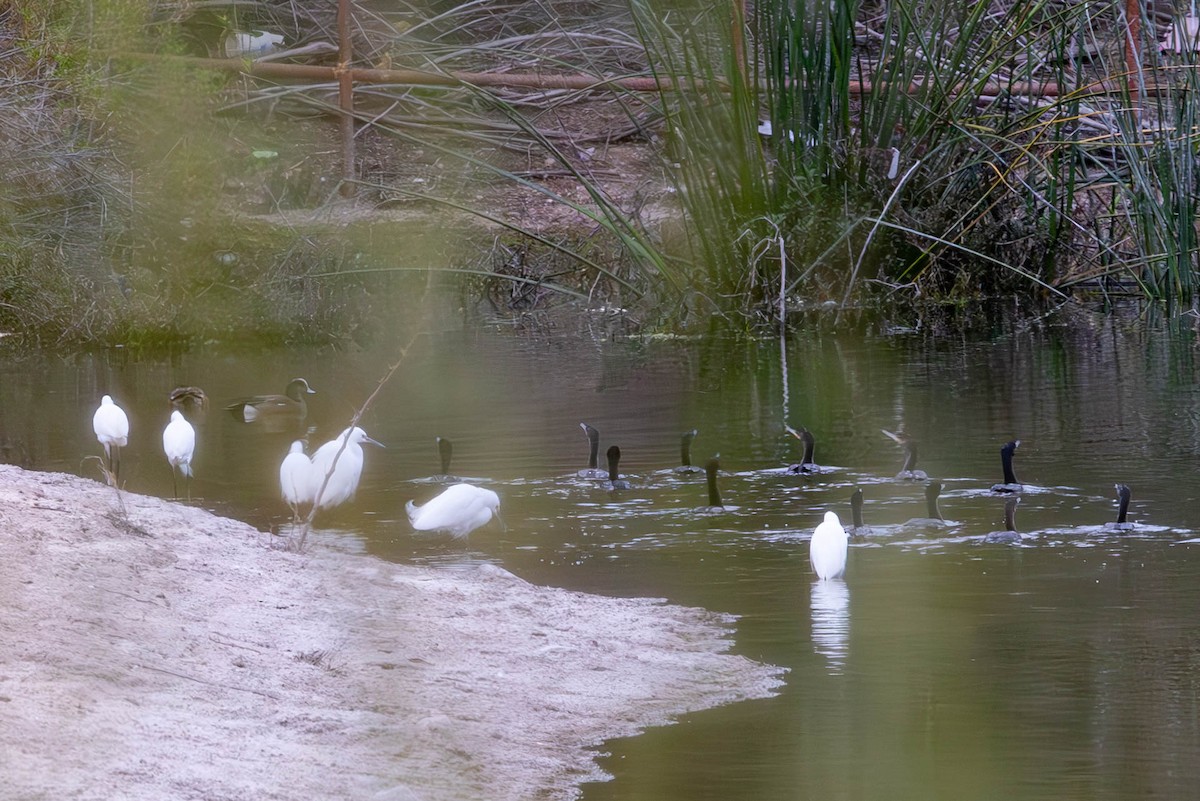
(516,80)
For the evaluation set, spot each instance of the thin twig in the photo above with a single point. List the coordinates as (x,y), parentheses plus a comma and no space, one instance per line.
(263,693)
(306,526)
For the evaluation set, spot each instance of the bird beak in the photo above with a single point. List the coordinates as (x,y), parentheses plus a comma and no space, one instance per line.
(376,443)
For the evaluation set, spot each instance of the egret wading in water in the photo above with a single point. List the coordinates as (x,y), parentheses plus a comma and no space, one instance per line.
(111,425)
(1123,496)
(179,443)
(614,482)
(1010,535)
(827,548)
(806,466)
(343,465)
(296,480)
(685,453)
(289,406)
(1006,463)
(908,471)
(459,509)
(711,468)
(592,470)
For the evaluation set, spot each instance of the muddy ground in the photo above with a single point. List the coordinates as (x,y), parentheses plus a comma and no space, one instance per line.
(151,650)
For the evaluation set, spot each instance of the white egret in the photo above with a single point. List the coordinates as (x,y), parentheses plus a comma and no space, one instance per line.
(296,479)
(290,405)
(1006,462)
(344,475)
(459,509)
(827,548)
(111,425)
(592,470)
(179,443)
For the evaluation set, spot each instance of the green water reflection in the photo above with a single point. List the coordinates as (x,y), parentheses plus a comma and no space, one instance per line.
(1065,668)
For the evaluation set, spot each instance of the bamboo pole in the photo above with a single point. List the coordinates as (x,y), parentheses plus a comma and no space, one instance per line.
(1133,51)
(540,81)
(345,76)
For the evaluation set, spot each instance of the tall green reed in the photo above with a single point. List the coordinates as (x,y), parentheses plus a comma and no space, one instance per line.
(925,156)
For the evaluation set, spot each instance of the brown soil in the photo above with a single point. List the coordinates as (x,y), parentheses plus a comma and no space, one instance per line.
(152,650)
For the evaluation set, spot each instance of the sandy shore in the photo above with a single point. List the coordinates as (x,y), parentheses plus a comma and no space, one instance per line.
(165,652)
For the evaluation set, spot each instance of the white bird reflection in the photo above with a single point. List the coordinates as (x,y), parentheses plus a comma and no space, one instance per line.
(831,622)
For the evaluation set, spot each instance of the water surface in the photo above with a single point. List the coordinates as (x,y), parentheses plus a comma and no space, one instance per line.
(940,668)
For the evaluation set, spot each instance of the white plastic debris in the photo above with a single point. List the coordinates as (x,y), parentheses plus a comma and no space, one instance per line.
(255,44)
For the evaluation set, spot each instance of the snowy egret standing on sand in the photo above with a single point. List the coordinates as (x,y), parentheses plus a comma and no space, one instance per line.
(459,509)
(296,479)
(179,443)
(827,548)
(344,476)
(112,429)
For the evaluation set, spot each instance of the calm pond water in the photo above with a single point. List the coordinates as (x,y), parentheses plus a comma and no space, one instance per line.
(1068,667)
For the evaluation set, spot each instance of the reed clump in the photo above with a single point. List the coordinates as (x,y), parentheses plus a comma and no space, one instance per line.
(927,149)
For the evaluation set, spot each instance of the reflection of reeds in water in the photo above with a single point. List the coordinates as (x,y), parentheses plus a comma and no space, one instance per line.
(830,611)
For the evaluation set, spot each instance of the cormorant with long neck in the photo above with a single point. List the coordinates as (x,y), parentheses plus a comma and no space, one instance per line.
(933,515)
(857,527)
(1123,496)
(909,471)
(1010,535)
(806,465)
(685,453)
(1006,461)
(714,496)
(593,469)
(615,482)
(445,451)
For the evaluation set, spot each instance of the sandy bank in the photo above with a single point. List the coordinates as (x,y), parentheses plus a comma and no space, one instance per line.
(175,654)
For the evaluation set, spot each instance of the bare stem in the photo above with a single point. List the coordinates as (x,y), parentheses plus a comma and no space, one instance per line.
(306,525)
